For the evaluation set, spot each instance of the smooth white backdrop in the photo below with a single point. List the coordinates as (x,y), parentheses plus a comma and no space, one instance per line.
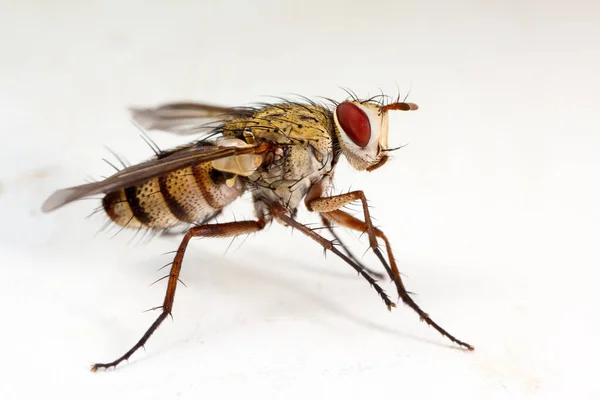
(492,207)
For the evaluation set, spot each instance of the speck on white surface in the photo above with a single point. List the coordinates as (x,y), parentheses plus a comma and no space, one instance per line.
(492,208)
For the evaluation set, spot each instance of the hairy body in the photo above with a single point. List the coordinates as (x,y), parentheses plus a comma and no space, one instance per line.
(284,154)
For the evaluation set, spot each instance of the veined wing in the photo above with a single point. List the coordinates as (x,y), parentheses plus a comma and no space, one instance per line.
(186,118)
(136,174)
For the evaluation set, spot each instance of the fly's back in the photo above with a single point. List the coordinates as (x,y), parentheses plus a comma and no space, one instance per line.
(286,123)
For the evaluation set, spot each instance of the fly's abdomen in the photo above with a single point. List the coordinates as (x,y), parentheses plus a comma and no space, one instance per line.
(188,195)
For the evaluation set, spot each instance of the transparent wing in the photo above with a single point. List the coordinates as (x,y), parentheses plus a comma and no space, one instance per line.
(186,118)
(136,174)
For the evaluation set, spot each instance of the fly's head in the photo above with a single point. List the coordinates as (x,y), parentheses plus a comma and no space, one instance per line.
(362,131)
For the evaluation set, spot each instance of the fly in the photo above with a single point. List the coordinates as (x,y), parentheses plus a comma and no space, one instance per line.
(284,153)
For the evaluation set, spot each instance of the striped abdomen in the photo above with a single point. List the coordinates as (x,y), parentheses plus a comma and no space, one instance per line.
(188,195)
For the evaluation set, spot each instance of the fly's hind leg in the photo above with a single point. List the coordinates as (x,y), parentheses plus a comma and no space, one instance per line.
(209,230)
(329,207)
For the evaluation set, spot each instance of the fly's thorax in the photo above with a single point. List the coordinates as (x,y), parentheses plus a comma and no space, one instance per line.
(286,124)
(302,135)
(187,195)
(287,180)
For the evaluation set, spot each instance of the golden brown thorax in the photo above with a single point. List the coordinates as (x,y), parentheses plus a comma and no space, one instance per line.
(287,123)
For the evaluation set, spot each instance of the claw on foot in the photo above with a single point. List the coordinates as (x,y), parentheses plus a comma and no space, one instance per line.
(96,367)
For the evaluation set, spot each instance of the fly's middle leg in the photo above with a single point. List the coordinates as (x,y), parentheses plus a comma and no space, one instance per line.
(282,216)
(329,226)
(209,230)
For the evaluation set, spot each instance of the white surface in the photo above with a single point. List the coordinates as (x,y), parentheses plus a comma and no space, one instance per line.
(492,208)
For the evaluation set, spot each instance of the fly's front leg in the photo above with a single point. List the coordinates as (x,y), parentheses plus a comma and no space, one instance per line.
(330,205)
(209,230)
(344,219)
(327,204)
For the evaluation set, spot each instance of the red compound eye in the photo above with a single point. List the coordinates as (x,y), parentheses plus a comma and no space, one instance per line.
(354,122)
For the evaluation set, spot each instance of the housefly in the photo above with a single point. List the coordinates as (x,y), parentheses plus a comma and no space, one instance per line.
(284,153)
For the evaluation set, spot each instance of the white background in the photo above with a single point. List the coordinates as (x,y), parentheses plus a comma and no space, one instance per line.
(493,207)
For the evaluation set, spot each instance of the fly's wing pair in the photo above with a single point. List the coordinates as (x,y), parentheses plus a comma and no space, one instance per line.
(186,118)
(175,118)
